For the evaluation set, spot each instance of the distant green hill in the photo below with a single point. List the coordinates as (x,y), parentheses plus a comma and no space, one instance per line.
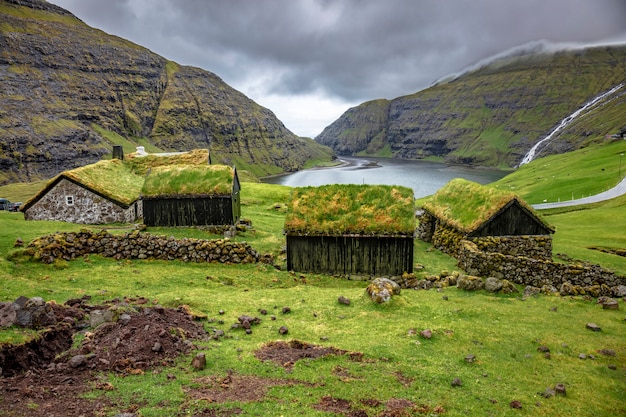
(493,115)
(70,92)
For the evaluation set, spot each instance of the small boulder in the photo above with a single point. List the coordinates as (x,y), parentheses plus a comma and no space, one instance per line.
(283,330)
(343,300)
(381,290)
(493,284)
(456,382)
(199,361)
(8,315)
(426,333)
(593,327)
(470,283)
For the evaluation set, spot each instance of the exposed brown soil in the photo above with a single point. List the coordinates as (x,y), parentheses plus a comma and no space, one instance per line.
(48,377)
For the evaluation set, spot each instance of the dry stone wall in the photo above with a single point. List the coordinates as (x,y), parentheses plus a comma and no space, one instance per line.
(592,279)
(536,246)
(137,245)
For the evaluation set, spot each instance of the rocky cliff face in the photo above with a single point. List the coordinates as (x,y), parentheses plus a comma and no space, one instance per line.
(70,92)
(492,116)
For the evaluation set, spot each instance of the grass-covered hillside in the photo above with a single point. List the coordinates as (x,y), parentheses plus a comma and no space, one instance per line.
(493,115)
(488,354)
(70,92)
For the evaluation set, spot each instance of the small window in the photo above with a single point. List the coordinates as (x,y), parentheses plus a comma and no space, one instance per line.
(69,200)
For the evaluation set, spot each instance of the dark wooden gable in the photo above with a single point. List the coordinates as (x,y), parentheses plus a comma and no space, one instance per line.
(512,220)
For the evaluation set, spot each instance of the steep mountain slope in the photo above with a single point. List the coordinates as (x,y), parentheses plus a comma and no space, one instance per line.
(69,92)
(493,115)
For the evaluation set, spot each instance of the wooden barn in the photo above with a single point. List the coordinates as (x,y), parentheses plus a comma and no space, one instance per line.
(191,195)
(362,230)
(466,210)
(104,192)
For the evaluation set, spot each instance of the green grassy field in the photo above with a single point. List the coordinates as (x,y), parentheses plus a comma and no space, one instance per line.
(502,331)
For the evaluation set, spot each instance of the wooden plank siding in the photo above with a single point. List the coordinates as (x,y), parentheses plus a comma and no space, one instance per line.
(512,220)
(197,211)
(350,255)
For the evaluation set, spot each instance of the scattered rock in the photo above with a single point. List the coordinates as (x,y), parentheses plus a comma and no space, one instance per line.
(611,366)
(516,404)
(343,300)
(283,330)
(444,298)
(543,349)
(199,361)
(593,327)
(157,347)
(470,358)
(426,333)
(97,317)
(610,304)
(286,310)
(607,352)
(508,287)
(470,283)
(582,356)
(77,361)
(8,314)
(548,393)
(18,242)
(456,382)
(530,291)
(560,389)
(493,284)
(381,290)
(553,308)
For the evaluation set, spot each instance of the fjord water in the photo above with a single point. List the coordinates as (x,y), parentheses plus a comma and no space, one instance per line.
(424,177)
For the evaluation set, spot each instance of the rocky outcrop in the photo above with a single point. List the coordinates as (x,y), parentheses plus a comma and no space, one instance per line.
(492,116)
(69,92)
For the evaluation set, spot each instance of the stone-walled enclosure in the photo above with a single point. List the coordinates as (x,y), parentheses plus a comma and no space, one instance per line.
(525,260)
(71,202)
(137,245)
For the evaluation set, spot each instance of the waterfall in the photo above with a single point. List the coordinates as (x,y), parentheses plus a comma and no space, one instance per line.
(569,119)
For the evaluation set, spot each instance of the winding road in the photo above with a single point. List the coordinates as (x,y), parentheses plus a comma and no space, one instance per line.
(618,190)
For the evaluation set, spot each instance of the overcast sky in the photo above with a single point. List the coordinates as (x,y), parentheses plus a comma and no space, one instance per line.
(310,60)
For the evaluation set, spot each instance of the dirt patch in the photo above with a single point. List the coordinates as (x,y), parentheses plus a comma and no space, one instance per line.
(47,377)
(233,387)
(286,354)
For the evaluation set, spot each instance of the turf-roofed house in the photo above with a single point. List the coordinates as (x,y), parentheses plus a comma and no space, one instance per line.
(191,195)
(495,220)
(351,230)
(104,192)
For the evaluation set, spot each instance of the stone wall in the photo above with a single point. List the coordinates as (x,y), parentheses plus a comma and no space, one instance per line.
(535,246)
(537,272)
(84,207)
(137,245)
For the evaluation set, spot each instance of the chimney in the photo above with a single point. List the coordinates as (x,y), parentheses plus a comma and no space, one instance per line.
(118,152)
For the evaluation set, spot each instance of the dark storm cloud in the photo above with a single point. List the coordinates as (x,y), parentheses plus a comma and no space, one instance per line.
(353,50)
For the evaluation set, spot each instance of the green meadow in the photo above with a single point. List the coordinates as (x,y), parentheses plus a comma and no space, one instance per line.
(503,332)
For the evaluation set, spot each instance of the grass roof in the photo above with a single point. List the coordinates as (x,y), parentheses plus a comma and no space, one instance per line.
(351,209)
(142,164)
(466,205)
(111,178)
(187,180)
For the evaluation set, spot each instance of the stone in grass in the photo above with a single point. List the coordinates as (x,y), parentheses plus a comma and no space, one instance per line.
(199,361)
(426,333)
(493,284)
(381,290)
(470,283)
(548,393)
(456,382)
(593,327)
(516,404)
(283,330)
(343,300)
(560,389)
(610,304)
(470,358)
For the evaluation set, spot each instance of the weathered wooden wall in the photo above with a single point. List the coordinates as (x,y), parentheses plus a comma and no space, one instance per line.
(350,255)
(512,221)
(190,211)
